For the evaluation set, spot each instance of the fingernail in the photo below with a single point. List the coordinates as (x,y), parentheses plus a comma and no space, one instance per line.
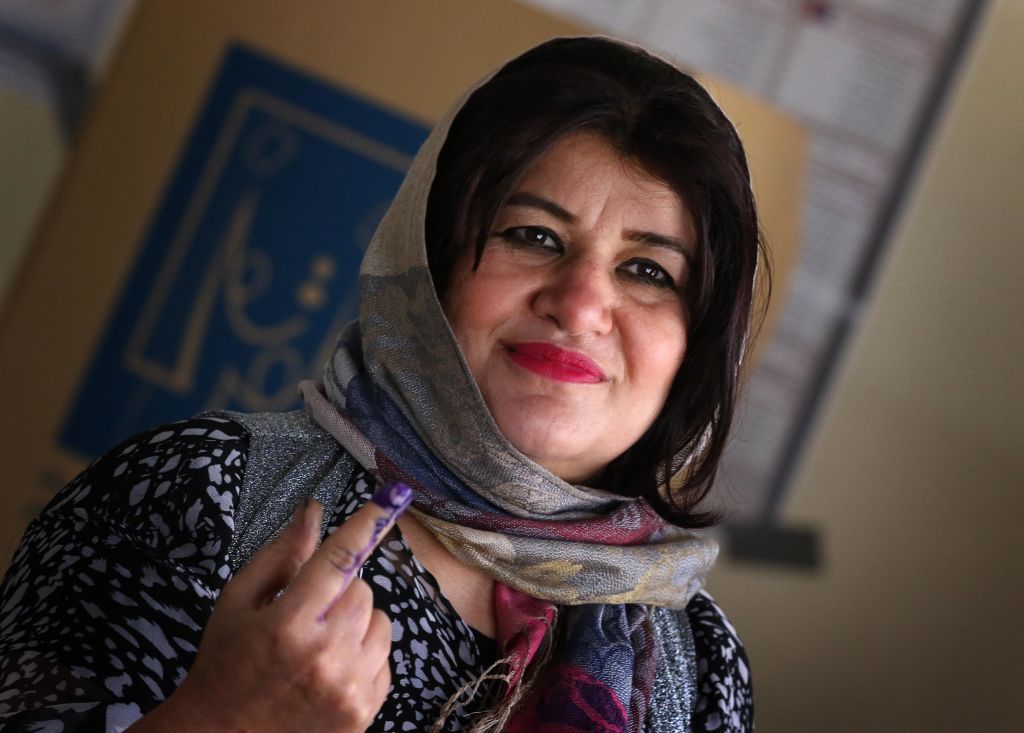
(393,497)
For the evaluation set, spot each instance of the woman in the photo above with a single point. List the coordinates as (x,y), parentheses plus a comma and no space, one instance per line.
(552,318)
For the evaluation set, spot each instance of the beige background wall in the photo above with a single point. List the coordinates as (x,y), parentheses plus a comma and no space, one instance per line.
(916,473)
(31,151)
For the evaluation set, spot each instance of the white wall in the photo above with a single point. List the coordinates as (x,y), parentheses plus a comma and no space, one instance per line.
(916,473)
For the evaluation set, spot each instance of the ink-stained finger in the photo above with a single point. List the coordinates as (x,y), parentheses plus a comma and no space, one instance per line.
(329,572)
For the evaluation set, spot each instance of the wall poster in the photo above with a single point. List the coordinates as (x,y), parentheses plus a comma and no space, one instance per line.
(248,271)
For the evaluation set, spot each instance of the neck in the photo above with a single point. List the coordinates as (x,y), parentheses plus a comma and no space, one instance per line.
(469,590)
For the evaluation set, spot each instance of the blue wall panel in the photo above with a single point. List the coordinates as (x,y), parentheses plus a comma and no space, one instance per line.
(249,268)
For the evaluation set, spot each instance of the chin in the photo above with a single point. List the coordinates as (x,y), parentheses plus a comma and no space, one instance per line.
(543,443)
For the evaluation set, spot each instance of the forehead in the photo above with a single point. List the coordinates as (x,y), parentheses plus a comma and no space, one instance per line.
(584,174)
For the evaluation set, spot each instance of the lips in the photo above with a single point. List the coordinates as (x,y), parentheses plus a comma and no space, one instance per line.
(550,361)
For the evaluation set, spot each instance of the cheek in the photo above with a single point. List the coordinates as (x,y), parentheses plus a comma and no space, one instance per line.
(458,301)
(664,373)
(656,348)
(462,327)
(480,302)
(451,300)
(474,311)
(653,395)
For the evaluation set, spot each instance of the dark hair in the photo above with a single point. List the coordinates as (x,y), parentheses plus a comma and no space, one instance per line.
(662,119)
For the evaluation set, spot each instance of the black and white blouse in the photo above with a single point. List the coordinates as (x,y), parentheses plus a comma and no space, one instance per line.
(103,606)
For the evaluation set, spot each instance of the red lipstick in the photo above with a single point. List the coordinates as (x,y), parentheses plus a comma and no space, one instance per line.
(549,361)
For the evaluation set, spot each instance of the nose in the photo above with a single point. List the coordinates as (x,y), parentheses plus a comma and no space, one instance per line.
(579,296)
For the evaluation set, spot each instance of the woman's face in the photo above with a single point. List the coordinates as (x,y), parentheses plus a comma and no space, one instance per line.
(574,323)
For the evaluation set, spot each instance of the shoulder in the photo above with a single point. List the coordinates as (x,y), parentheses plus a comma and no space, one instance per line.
(170,490)
(161,452)
(107,594)
(290,457)
(724,688)
(144,468)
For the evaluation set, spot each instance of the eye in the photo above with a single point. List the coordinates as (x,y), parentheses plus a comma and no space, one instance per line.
(648,272)
(533,237)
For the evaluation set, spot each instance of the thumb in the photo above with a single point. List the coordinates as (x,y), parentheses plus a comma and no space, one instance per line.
(272,568)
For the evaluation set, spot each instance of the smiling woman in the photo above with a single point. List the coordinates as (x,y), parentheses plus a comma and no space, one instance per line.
(655,139)
(573,322)
(543,372)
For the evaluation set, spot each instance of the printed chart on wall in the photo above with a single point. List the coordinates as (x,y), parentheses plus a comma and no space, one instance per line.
(867,77)
(249,268)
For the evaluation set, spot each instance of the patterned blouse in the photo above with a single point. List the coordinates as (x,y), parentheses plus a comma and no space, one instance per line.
(103,606)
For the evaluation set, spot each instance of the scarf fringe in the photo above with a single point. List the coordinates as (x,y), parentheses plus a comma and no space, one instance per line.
(455,700)
(494,719)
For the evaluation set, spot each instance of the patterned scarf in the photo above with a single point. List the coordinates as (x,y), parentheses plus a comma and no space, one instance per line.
(399,398)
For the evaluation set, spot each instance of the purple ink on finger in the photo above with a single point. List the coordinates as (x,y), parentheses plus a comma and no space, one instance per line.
(394,498)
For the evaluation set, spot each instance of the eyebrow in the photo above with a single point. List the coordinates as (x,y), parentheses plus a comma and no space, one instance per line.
(538,202)
(522,198)
(660,240)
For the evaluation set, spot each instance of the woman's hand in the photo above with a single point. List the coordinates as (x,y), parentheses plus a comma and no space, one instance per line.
(313,658)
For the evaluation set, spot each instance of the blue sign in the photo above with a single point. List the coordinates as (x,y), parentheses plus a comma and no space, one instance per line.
(249,269)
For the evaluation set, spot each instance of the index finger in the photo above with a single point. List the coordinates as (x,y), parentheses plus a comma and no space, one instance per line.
(331,569)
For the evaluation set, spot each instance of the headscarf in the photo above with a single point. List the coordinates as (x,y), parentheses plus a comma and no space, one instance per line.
(398,396)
